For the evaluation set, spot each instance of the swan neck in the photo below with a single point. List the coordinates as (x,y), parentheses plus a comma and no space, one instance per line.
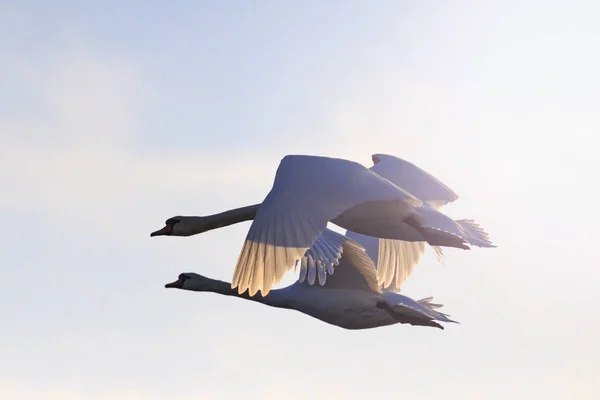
(276,298)
(230,217)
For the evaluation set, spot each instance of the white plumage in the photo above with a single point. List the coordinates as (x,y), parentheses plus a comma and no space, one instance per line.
(310,191)
(349,298)
(396,259)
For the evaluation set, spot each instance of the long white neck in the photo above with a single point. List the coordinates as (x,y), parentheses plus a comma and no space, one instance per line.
(280,298)
(196,225)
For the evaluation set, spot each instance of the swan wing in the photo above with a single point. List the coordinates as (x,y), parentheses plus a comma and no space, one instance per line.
(434,194)
(395,259)
(317,261)
(355,269)
(308,191)
(413,179)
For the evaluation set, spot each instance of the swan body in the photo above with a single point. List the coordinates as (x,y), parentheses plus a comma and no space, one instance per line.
(395,259)
(350,297)
(310,191)
(307,193)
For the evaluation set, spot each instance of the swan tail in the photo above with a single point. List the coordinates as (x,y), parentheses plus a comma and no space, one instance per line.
(437,228)
(432,308)
(476,235)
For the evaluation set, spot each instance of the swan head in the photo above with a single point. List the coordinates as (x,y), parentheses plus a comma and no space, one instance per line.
(180,226)
(189,281)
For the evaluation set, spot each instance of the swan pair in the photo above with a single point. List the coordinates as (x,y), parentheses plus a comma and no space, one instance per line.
(390,211)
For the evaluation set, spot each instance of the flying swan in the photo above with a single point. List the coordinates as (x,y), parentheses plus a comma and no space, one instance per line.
(396,259)
(310,191)
(350,298)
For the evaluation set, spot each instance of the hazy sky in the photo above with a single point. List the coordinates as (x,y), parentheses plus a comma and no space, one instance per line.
(117,115)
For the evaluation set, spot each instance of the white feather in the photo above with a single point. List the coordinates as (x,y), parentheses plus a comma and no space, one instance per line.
(308,191)
(413,179)
(395,259)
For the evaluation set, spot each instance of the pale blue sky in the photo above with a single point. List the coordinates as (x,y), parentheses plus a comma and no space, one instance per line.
(116,116)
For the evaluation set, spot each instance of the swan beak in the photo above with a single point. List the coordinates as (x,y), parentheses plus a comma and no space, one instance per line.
(176,284)
(161,232)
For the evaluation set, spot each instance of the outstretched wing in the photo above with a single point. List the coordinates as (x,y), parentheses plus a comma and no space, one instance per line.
(432,192)
(413,179)
(355,269)
(395,259)
(308,191)
(316,261)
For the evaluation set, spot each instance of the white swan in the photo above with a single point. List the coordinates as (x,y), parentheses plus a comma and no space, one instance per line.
(396,259)
(309,191)
(350,298)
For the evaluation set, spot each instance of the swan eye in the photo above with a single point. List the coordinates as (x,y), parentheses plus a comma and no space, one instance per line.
(183,277)
(172,221)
